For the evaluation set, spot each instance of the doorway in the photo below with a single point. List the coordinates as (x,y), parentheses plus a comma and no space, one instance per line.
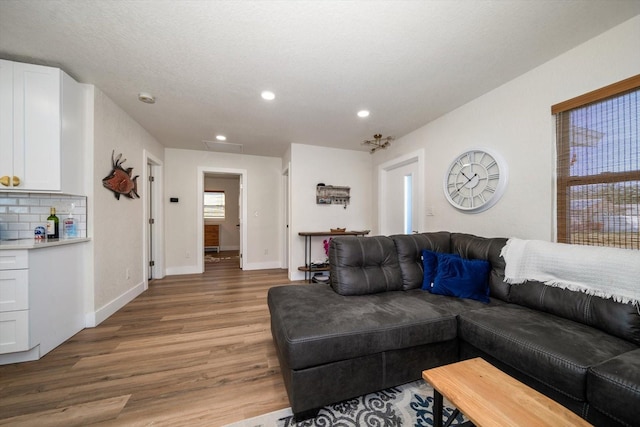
(153,235)
(286,216)
(221,217)
(231,227)
(400,195)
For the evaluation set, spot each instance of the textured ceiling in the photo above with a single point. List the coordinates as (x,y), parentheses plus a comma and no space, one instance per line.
(408,62)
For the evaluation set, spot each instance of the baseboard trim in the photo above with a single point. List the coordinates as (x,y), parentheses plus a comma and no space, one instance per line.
(103,313)
(187,269)
(261,265)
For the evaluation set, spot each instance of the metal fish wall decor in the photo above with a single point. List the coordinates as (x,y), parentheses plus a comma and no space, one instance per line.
(119,180)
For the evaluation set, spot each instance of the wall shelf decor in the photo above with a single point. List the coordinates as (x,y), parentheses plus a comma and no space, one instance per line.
(332,195)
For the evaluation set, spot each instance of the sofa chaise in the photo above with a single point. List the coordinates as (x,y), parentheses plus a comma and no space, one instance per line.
(374,327)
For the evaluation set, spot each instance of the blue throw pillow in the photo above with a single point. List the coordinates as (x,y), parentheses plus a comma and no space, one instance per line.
(462,278)
(429,267)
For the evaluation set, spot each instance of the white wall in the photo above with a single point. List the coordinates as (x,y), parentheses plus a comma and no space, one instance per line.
(311,165)
(116,226)
(229,233)
(515,120)
(264,202)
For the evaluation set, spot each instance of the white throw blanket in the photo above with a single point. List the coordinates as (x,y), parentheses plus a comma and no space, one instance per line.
(600,271)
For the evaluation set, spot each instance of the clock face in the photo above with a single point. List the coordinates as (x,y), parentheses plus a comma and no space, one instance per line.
(475,180)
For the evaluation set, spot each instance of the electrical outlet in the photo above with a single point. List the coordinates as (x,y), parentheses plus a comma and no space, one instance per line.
(266,251)
(127,274)
(187,255)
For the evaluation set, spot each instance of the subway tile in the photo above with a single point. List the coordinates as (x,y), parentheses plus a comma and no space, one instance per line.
(18,226)
(29,218)
(18,209)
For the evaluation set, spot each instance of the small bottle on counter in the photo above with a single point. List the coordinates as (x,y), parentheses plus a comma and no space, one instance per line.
(69,227)
(53,225)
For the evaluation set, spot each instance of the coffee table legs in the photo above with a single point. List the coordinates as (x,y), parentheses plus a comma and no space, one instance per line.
(438,410)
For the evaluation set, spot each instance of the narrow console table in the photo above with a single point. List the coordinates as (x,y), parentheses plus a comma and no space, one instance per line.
(307,268)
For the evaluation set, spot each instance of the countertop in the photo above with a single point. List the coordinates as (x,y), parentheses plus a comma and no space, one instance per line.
(38,244)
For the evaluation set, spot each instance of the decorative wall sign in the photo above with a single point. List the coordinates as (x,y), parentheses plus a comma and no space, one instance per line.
(119,180)
(332,195)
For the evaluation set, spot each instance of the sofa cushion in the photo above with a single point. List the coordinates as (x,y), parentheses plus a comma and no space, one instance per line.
(312,325)
(474,247)
(462,278)
(409,247)
(613,387)
(553,350)
(364,265)
(621,320)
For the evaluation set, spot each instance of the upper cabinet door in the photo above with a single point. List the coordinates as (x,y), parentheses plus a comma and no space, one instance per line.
(6,121)
(36,126)
(41,129)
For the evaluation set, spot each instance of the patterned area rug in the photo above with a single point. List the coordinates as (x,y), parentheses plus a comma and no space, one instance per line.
(406,405)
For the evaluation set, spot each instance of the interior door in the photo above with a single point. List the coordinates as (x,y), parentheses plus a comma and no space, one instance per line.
(240,225)
(151,222)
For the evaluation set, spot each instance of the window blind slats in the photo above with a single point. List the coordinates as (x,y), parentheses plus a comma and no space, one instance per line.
(598,175)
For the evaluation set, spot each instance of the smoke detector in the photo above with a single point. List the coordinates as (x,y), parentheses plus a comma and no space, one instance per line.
(147,98)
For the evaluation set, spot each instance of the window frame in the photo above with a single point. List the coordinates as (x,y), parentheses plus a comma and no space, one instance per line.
(563,180)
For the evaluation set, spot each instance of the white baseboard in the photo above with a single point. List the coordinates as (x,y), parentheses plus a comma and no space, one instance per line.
(261,265)
(185,269)
(100,315)
(21,356)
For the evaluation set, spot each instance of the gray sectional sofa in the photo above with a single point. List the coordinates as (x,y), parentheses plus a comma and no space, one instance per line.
(374,327)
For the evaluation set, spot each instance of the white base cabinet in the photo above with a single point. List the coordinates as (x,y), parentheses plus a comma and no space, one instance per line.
(41,300)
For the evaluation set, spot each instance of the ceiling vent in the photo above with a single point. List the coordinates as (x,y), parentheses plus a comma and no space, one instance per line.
(223,147)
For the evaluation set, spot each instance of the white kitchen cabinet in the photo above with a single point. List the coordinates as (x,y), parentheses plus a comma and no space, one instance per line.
(41,129)
(14,302)
(41,300)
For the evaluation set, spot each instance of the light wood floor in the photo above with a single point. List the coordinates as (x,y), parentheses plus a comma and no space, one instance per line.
(191,350)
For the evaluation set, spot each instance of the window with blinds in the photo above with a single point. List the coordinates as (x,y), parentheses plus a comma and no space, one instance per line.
(598,168)
(214,204)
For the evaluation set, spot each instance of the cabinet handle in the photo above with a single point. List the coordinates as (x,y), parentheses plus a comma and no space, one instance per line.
(5,180)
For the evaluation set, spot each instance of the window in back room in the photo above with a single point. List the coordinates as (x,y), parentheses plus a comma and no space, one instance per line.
(598,167)
(214,205)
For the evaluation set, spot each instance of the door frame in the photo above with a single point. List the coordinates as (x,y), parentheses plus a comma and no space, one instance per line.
(242,174)
(286,186)
(153,165)
(384,169)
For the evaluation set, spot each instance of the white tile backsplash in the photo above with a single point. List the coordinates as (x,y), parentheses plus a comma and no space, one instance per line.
(21,213)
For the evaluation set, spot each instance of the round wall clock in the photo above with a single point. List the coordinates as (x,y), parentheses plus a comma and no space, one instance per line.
(475,180)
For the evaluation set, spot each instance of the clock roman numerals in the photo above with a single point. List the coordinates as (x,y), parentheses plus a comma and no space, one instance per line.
(475,180)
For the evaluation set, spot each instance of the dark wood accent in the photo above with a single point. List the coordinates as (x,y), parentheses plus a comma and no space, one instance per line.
(597,95)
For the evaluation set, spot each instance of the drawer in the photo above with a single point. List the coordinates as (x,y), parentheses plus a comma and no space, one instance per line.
(14,290)
(10,260)
(14,331)
(212,235)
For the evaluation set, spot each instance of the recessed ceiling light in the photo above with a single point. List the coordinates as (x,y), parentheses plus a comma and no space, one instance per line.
(147,98)
(363,113)
(268,95)
(221,137)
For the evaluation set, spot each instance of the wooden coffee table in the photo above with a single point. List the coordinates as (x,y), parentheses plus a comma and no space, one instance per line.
(489,397)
